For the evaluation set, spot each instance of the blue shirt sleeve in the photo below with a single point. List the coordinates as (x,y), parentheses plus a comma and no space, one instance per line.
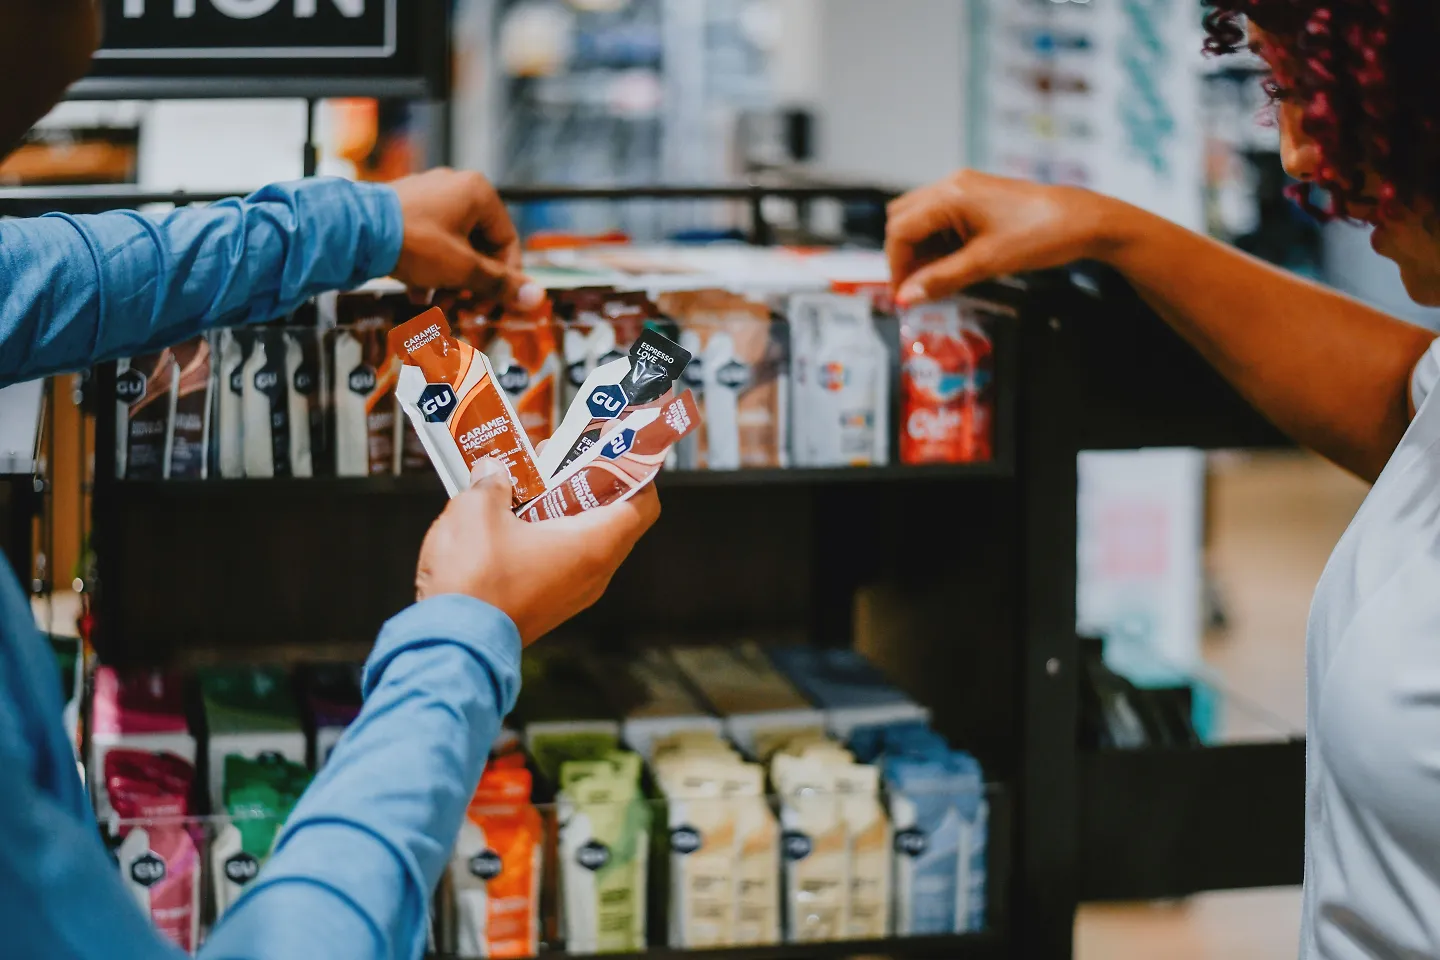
(82,289)
(353,871)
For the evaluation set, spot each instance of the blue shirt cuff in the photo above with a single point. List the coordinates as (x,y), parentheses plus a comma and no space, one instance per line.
(388,221)
(455,619)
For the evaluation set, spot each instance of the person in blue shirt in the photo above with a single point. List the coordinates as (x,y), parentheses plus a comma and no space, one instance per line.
(354,868)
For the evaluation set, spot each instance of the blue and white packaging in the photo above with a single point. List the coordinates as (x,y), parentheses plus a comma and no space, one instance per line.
(850,689)
(940,818)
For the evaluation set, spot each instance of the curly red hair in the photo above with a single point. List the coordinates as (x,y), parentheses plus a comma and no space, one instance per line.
(1367,75)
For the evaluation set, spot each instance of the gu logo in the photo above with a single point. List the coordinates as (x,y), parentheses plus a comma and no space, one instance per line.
(486,865)
(148,870)
(734,375)
(515,379)
(606,403)
(619,445)
(361,380)
(130,386)
(266,381)
(242,868)
(593,855)
(437,402)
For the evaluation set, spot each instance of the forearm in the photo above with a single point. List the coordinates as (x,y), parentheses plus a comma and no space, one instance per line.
(370,839)
(1331,372)
(84,289)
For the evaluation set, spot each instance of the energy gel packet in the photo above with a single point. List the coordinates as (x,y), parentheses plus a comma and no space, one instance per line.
(159,858)
(451,394)
(647,375)
(621,465)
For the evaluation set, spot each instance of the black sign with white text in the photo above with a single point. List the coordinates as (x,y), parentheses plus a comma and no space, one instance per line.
(264,29)
(282,47)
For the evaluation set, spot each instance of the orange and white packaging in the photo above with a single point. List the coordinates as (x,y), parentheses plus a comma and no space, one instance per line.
(451,394)
(628,457)
(527,360)
(496,869)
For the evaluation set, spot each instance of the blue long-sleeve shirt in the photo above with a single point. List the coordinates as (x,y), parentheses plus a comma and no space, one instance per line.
(353,870)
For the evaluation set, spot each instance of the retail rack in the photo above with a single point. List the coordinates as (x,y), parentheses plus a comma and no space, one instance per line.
(961,579)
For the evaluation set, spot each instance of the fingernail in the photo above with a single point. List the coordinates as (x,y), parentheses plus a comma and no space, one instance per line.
(484,469)
(530,296)
(911,292)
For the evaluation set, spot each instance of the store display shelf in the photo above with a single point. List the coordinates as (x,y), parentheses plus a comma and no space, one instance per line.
(429,486)
(1165,823)
(959,947)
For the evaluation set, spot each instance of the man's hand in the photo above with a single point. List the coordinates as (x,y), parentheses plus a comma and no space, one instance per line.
(458,236)
(537,574)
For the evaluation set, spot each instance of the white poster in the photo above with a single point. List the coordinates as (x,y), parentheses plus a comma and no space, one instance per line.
(1139,560)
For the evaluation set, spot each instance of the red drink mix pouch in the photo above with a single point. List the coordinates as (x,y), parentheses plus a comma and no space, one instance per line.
(159,859)
(624,461)
(938,396)
(452,396)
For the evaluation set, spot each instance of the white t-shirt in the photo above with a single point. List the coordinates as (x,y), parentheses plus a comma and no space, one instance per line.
(1372,799)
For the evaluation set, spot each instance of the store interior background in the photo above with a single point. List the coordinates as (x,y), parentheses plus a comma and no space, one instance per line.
(901,93)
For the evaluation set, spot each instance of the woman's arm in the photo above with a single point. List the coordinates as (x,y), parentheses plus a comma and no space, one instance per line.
(77,290)
(1331,372)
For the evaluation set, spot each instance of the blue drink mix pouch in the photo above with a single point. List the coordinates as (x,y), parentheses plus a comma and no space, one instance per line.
(937,803)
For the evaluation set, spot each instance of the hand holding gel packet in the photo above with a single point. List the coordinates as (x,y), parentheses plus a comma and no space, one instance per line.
(614,440)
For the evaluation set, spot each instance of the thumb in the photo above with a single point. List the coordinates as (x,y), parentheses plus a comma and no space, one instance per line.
(493,279)
(969,265)
(490,486)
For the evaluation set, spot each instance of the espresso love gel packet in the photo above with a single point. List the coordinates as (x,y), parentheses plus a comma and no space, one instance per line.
(644,377)
(620,465)
(451,394)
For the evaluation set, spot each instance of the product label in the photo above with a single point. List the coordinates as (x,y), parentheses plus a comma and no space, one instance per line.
(242,868)
(147,870)
(515,378)
(437,402)
(910,843)
(486,865)
(734,375)
(685,840)
(606,403)
(130,386)
(361,380)
(592,855)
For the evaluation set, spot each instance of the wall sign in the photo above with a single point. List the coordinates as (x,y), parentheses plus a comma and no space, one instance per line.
(248,48)
(241,29)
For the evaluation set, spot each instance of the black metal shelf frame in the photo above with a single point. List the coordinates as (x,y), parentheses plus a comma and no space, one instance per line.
(987,638)
(977,946)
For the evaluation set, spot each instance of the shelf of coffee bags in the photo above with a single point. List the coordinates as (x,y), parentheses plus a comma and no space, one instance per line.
(1165,823)
(968,946)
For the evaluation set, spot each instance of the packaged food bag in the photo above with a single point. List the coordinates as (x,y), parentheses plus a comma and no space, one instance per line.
(497,868)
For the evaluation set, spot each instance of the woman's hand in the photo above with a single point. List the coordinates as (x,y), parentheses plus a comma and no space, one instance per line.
(458,236)
(537,574)
(973,226)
